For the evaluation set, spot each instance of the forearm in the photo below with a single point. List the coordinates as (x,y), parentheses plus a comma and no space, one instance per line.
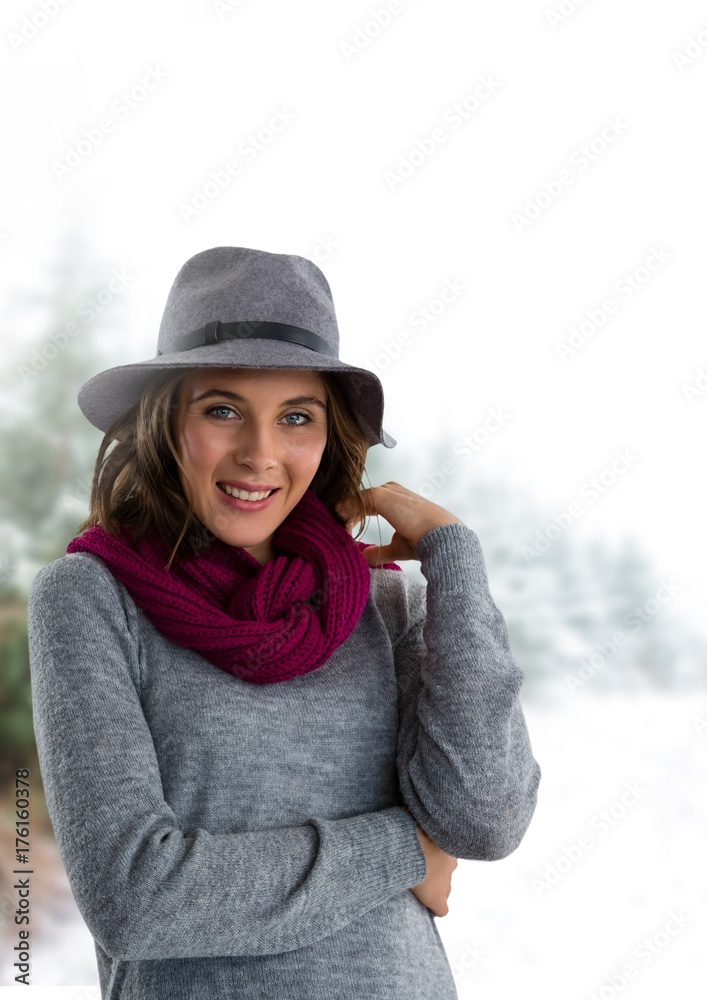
(465,763)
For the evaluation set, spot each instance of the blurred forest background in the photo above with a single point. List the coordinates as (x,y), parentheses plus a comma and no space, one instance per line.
(557,607)
(561,608)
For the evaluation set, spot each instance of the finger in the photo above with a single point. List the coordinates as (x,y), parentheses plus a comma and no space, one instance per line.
(376,555)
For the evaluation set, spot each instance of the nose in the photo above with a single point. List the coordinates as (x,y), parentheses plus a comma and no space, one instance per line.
(256,445)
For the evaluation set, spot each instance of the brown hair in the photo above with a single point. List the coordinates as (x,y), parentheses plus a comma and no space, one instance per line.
(136,482)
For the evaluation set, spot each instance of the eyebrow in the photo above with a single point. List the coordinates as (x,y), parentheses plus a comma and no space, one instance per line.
(237,398)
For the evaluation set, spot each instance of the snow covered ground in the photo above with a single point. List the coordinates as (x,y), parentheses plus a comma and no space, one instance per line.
(606,895)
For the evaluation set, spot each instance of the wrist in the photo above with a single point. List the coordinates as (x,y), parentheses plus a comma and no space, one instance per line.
(432,527)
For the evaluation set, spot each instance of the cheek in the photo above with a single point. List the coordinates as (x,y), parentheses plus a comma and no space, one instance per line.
(306,455)
(196,449)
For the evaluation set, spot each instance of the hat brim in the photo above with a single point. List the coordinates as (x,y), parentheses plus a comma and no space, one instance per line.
(107,396)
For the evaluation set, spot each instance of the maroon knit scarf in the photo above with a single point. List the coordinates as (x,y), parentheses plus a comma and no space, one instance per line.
(262,623)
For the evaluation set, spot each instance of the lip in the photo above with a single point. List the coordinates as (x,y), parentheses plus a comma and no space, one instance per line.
(249,505)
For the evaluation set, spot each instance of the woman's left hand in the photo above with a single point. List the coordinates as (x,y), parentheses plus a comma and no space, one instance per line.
(410,515)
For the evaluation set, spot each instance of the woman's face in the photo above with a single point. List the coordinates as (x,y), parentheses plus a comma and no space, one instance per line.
(257,430)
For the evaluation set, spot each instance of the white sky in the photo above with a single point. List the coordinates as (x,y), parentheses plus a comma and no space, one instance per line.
(323,177)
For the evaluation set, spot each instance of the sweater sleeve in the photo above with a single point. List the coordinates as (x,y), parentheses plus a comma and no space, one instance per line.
(464,758)
(147,888)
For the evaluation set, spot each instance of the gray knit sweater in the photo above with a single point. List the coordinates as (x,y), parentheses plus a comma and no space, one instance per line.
(230,840)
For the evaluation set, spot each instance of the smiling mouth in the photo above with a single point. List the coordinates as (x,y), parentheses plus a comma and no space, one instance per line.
(231,491)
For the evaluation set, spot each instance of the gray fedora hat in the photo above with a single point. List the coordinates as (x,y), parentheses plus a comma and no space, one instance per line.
(237,307)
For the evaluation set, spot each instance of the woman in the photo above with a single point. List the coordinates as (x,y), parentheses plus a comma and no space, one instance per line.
(255,733)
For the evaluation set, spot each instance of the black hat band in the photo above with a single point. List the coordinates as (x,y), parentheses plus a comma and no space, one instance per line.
(216,332)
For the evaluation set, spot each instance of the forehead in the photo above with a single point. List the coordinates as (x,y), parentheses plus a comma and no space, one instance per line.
(238,379)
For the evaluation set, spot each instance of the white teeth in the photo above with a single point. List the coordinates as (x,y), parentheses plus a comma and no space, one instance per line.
(243,494)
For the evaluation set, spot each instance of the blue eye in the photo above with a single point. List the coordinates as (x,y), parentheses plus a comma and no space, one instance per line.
(221,407)
(306,416)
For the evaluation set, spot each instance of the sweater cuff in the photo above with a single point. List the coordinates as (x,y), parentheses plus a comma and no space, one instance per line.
(451,555)
(392,858)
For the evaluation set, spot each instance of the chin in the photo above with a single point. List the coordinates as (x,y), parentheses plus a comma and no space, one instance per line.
(239,540)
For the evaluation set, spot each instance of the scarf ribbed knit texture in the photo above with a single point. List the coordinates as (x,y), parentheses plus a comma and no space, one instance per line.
(262,623)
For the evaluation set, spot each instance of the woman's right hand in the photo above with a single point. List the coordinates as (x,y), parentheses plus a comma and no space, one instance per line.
(434,891)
